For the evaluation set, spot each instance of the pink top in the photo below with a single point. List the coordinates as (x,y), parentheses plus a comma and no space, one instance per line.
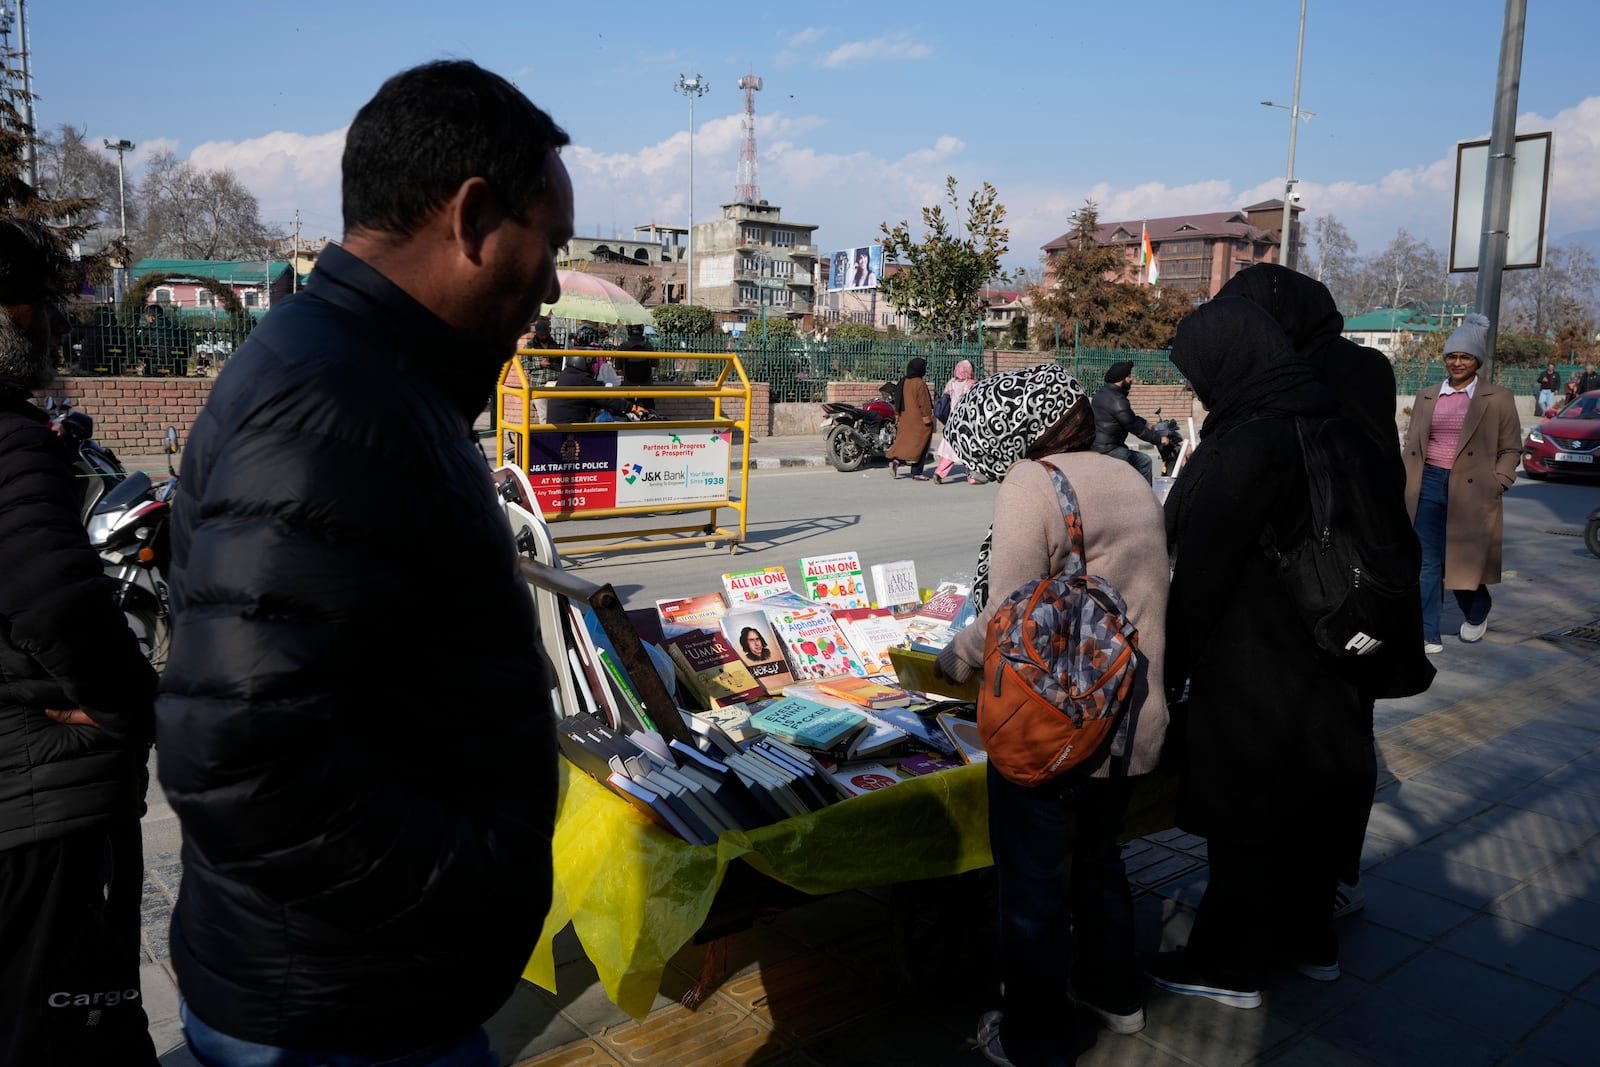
(1444,432)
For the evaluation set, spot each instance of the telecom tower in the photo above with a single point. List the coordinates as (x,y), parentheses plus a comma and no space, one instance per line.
(747,190)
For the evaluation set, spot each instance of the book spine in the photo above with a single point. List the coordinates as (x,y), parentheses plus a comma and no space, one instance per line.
(624,690)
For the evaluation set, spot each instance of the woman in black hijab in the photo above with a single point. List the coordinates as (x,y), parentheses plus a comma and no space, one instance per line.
(914,424)
(1279,765)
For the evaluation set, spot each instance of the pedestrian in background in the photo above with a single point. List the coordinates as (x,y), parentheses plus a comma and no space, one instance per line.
(1066,928)
(76,721)
(914,423)
(1590,380)
(638,370)
(366,840)
(1114,420)
(541,370)
(1461,456)
(1549,382)
(1279,762)
(961,381)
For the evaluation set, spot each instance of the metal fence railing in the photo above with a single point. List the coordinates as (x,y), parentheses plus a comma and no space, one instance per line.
(162,344)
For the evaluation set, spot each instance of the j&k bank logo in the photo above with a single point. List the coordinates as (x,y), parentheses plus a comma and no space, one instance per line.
(631,473)
(635,473)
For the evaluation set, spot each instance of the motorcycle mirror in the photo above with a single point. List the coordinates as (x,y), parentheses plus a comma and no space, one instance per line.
(172,441)
(1158,411)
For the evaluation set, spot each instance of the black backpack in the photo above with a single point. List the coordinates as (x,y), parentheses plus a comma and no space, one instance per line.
(1354,575)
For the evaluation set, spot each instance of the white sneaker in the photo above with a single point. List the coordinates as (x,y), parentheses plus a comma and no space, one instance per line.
(1471,633)
(1348,899)
(1432,648)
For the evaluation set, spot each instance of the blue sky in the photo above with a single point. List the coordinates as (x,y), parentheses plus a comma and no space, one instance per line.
(1150,108)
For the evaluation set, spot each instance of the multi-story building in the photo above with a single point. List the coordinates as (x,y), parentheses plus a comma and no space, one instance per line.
(1198,252)
(651,266)
(750,258)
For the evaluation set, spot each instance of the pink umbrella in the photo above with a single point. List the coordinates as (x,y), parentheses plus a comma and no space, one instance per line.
(584,296)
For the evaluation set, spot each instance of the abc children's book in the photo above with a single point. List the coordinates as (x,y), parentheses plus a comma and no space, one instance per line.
(835,580)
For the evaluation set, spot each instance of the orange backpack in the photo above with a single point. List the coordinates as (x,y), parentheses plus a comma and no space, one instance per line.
(1059,661)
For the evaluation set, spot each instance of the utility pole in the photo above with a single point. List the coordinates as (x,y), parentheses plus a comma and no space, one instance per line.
(1497,184)
(692,88)
(119,147)
(32,151)
(294,264)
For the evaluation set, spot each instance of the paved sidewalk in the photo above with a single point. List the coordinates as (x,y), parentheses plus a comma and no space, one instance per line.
(1479,944)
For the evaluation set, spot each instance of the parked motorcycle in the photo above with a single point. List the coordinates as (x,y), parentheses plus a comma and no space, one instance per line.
(96,465)
(857,434)
(129,530)
(1171,452)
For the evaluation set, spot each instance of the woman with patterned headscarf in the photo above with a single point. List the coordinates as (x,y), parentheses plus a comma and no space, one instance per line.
(1064,832)
(914,423)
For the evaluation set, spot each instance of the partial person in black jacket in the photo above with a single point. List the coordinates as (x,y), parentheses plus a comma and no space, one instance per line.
(75,722)
(1114,420)
(576,374)
(354,726)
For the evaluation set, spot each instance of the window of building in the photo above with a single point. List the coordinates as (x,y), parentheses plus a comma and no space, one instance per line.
(163,296)
(252,299)
(749,292)
(205,298)
(750,264)
(752,235)
(783,238)
(783,268)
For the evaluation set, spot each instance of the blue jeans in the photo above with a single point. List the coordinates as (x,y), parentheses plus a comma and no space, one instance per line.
(1141,462)
(1546,398)
(213,1049)
(1433,506)
(1056,856)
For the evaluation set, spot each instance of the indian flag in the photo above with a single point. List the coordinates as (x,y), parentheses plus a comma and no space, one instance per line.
(1152,270)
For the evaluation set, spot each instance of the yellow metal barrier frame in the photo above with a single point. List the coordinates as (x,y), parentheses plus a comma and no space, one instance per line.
(514,409)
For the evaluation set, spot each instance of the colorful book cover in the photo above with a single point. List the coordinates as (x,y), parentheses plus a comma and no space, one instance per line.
(864,691)
(746,587)
(858,778)
(835,580)
(926,763)
(894,585)
(933,624)
(872,632)
(702,612)
(963,733)
(713,671)
(750,633)
(813,642)
(805,722)
(923,729)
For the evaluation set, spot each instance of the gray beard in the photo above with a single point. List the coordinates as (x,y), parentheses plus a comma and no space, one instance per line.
(28,365)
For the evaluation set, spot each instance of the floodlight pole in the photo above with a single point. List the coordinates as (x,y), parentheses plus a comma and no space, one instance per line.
(1286,245)
(119,147)
(691,87)
(1497,183)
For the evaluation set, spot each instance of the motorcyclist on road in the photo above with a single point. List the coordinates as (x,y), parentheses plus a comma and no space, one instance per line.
(577,373)
(1114,420)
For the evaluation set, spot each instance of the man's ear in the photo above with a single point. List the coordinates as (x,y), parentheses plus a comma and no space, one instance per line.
(474,214)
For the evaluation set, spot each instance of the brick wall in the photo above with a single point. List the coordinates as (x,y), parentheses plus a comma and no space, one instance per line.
(131,415)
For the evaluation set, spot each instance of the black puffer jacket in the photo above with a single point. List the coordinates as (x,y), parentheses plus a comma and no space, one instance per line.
(355,731)
(1114,420)
(63,644)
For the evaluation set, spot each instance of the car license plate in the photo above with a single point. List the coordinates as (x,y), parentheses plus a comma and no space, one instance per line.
(1574,457)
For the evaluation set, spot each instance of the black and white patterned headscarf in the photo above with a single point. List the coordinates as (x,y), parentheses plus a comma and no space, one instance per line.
(998,421)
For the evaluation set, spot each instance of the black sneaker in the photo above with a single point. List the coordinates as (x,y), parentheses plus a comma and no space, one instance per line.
(1171,971)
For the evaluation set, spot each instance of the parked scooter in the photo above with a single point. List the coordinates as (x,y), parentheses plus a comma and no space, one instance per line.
(95,465)
(129,530)
(857,434)
(1172,452)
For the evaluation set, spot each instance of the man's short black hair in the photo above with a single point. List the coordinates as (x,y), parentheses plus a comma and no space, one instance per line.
(32,266)
(431,128)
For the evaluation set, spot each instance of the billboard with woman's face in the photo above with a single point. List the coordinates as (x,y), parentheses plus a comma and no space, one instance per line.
(855,268)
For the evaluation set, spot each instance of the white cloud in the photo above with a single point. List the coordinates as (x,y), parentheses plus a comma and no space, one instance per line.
(891,46)
(809,35)
(286,171)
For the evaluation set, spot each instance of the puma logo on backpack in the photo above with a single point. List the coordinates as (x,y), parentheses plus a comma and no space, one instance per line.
(1059,661)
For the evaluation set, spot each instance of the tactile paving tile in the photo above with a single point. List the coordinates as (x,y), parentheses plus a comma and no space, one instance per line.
(582,1054)
(714,1034)
(808,995)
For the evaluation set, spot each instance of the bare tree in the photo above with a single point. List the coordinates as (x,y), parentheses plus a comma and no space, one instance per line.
(1408,269)
(189,213)
(1556,296)
(1336,263)
(70,170)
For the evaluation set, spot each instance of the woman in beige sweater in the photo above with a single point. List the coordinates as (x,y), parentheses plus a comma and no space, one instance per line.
(1064,832)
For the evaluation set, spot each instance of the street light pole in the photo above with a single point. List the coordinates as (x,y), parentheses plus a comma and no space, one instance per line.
(119,147)
(692,88)
(1286,246)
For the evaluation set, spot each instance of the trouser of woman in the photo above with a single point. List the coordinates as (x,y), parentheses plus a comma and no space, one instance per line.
(1433,507)
(1264,902)
(1056,855)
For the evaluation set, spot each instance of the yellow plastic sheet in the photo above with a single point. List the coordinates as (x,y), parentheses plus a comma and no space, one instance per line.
(636,894)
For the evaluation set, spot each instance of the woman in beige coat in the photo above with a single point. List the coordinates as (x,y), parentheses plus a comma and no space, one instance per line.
(1055,845)
(1461,456)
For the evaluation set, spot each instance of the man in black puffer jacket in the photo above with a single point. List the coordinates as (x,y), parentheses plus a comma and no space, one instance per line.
(1114,420)
(355,729)
(75,723)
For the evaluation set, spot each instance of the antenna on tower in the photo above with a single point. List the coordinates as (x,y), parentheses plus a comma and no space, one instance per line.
(747,190)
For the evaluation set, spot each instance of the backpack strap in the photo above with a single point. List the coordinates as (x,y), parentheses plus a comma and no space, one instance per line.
(1072,516)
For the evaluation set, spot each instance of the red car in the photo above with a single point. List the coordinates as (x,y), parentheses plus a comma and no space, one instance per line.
(1568,443)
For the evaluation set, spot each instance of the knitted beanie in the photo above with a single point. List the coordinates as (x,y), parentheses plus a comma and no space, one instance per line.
(1471,337)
